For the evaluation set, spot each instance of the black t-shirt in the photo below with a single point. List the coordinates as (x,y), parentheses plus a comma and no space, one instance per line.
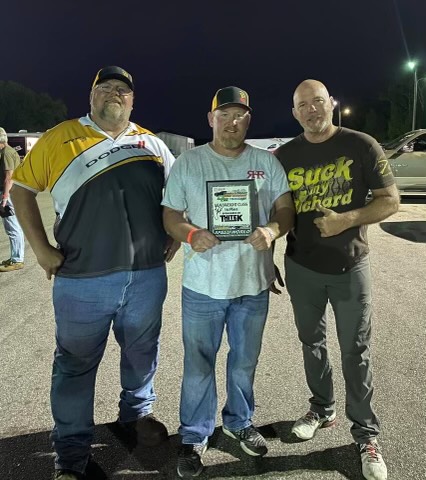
(337,174)
(120,213)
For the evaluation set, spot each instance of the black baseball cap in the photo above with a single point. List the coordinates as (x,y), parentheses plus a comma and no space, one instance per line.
(230,96)
(113,72)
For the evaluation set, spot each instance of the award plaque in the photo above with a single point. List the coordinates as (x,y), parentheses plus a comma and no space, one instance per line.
(232,208)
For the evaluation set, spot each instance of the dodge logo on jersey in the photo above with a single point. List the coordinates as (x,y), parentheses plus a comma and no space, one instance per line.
(109,152)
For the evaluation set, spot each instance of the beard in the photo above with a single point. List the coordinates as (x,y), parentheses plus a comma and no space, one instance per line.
(112,112)
(319,126)
(231,143)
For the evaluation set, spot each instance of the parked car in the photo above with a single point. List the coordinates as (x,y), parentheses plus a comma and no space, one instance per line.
(270,144)
(407,158)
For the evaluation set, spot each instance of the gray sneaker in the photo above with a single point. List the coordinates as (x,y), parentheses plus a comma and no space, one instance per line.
(306,426)
(373,465)
(251,440)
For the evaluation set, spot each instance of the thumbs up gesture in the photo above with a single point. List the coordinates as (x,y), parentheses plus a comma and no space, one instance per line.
(331,223)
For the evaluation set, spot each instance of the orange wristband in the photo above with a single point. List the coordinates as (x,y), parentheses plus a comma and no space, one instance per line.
(190,233)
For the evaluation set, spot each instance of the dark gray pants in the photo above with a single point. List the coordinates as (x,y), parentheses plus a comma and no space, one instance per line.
(350,297)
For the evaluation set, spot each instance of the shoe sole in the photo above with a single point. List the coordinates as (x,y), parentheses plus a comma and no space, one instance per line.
(5,269)
(327,424)
(198,472)
(243,445)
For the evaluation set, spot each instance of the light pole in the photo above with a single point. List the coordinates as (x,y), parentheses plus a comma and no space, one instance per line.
(420,96)
(346,111)
(413,66)
(336,103)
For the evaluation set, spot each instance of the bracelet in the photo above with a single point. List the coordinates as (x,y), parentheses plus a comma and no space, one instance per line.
(5,196)
(190,233)
(271,233)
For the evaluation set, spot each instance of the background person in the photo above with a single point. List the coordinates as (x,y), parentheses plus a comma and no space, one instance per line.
(330,171)
(225,284)
(9,161)
(106,176)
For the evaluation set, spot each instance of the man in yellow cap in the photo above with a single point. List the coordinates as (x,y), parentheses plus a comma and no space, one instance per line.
(228,270)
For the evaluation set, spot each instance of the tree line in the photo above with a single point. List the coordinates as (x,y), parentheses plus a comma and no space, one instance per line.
(384,117)
(22,108)
(390,114)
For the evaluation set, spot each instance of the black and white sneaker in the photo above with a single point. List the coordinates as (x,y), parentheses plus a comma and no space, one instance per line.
(251,440)
(190,463)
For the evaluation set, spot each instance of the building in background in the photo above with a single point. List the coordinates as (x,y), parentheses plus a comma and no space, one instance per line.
(176,143)
(23,141)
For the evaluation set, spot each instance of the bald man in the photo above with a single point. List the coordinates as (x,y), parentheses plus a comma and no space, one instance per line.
(331,170)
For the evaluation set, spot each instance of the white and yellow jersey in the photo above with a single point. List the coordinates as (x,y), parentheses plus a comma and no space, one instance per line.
(107,194)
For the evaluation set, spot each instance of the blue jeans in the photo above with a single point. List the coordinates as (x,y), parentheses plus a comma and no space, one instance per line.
(204,319)
(15,234)
(85,308)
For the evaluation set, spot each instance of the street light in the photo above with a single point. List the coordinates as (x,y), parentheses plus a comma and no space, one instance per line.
(346,111)
(412,65)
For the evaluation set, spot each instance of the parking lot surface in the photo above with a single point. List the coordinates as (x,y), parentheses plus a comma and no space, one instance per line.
(398,259)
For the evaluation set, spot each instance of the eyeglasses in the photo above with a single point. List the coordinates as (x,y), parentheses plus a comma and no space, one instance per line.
(107,88)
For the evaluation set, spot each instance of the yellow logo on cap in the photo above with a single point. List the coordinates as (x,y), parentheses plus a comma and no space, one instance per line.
(243,96)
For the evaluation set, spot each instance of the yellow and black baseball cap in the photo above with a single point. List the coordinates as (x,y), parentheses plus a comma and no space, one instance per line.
(113,72)
(230,96)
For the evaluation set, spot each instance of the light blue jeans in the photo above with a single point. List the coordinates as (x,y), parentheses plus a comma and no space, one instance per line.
(85,308)
(204,319)
(15,234)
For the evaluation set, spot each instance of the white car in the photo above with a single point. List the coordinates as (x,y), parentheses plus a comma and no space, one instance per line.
(407,159)
(270,144)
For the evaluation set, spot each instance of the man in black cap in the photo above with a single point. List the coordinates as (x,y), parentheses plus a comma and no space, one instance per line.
(225,283)
(106,176)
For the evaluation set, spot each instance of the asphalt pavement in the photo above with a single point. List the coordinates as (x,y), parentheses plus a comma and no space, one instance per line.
(398,257)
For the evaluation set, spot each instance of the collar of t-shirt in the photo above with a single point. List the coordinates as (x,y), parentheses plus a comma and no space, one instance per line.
(87,121)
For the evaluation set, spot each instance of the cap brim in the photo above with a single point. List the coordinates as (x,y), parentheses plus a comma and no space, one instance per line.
(116,76)
(234,103)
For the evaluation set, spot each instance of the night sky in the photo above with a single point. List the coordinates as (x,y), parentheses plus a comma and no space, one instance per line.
(181,52)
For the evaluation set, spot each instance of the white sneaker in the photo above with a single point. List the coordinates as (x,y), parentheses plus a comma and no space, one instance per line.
(306,426)
(373,465)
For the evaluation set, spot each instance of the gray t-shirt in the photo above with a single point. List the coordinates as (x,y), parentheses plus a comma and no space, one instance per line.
(233,268)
